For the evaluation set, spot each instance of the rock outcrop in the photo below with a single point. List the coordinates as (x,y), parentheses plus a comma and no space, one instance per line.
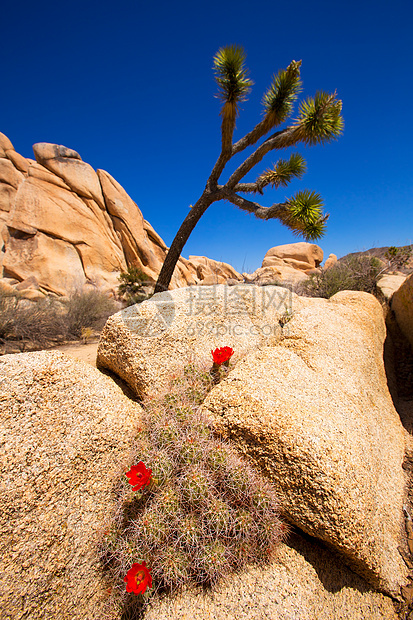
(306,582)
(330,262)
(65,433)
(145,343)
(302,255)
(289,264)
(308,403)
(390,283)
(67,226)
(402,306)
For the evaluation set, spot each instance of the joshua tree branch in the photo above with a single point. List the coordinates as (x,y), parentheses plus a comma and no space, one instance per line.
(248,188)
(262,213)
(279,140)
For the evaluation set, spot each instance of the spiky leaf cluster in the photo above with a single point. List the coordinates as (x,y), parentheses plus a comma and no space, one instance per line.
(283,172)
(231,74)
(319,119)
(304,215)
(206,511)
(279,99)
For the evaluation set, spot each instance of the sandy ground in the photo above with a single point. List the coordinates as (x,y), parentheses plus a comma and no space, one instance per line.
(84,352)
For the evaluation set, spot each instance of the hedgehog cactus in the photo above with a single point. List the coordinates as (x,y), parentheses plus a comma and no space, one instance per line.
(205,511)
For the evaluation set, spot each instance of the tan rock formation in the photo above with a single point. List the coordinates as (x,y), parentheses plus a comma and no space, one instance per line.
(41,208)
(300,255)
(66,431)
(390,283)
(306,582)
(278,273)
(315,414)
(209,271)
(18,160)
(129,224)
(289,264)
(73,225)
(76,173)
(5,143)
(37,171)
(9,174)
(55,263)
(143,344)
(402,306)
(312,409)
(330,262)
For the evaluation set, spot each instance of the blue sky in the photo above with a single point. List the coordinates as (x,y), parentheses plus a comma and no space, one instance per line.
(129,85)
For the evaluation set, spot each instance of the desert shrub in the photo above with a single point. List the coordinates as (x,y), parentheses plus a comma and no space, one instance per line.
(8,307)
(355,273)
(398,257)
(205,512)
(134,285)
(87,308)
(40,321)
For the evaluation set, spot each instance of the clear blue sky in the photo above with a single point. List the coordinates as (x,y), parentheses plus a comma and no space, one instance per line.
(129,85)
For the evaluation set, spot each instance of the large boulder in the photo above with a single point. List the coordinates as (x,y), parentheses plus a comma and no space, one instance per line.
(390,283)
(68,165)
(308,403)
(208,271)
(402,306)
(141,245)
(305,582)
(330,262)
(314,413)
(144,343)
(277,273)
(65,431)
(64,218)
(299,255)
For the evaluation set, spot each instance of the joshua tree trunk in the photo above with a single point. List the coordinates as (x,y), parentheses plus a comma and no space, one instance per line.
(319,121)
(181,238)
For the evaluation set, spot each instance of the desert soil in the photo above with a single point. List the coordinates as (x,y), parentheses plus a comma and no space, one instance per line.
(85,352)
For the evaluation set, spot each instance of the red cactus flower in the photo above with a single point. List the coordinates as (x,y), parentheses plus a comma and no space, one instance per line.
(139,476)
(138,578)
(222,355)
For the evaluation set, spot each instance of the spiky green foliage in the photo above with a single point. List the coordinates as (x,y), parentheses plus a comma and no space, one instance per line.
(283,172)
(233,87)
(279,99)
(231,74)
(206,512)
(304,215)
(319,119)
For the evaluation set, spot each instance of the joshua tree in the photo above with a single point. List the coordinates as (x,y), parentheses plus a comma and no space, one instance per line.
(319,120)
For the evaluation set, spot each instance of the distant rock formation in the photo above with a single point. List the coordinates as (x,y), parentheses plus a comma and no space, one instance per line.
(291,263)
(64,225)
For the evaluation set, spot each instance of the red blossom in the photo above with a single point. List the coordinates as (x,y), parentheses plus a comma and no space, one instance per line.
(139,476)
(138,578)
(222,355)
